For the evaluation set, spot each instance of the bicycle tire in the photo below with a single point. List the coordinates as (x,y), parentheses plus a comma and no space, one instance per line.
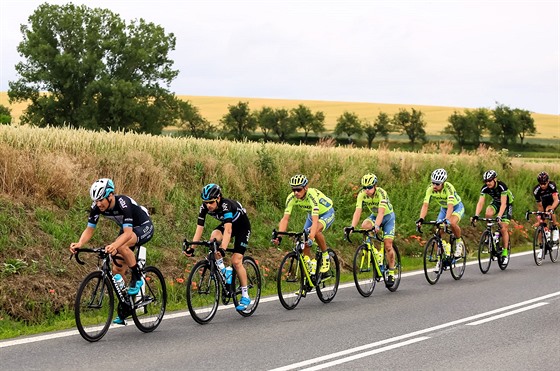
(501,263)
(458,264)
(202,293)
(289,281)
(397,270)
(539,246)
(554,250)
(327,283)
(151,303)
(364,271)
(93,321)
(253,286)
(485,251)
(431,257)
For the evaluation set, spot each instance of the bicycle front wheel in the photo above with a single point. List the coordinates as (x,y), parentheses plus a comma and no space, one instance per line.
(93,308)
(151,302)
(253,286)
(432,264)
(458,264)
(327,283)
(554,251)
(202,293)
(485,251)
(539,244)
(364,270)
(397,270)
(289,281)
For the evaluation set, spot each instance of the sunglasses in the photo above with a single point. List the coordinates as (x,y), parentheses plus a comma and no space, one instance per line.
(437,184)
(209,202)
(489,181)
(297,189)
(368,187)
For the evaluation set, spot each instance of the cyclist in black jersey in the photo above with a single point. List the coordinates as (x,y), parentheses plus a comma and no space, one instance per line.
(546,195)
(135,223)
(234,223)
(501,205)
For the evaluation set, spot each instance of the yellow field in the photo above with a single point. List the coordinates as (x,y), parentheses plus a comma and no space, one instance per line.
(213,108)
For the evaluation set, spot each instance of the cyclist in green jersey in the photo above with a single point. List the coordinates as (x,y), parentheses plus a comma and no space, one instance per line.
(319,218)
(451,206)
(382,217)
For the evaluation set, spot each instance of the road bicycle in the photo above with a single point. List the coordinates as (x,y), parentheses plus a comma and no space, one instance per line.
(437,259)
(295,280)
(543,243)
(490,246)
(207,285)
(370,265)
(95,299)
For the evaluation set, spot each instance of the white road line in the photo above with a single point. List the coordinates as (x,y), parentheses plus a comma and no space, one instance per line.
(506,314)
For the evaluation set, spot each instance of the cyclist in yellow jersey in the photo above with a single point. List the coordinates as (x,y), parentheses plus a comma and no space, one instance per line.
(319,218)
(382,217)
(451,206)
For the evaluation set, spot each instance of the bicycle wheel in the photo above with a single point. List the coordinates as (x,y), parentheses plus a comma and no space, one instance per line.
(150,303)
(94,305)
(364,270)
(253,286)
(202,293)
(432,261)
(397,270)
(554,251)
(327,283)
(539,244)
(485,251)
(458,264)
(289,281)
(503,265)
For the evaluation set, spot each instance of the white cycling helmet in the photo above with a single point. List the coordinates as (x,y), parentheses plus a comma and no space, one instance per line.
(439,176)
(101,189)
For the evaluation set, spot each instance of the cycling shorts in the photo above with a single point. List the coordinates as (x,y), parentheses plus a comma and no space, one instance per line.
(387,225)
(458,210)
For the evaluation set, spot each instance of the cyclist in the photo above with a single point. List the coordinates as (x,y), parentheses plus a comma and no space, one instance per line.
(451,207)
(136,229)
(234,223)
(546,195)
(501,205)
(382,217)
(319,218)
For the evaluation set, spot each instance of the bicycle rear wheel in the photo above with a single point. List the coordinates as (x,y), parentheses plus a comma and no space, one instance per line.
(289,281)
(151,302)
(364,270)
(485,251)
(503,265)
(539,246)
(327,283)
(458,264)
(397,270)
(253,286)
(432,270)
(94,305)
(202,293)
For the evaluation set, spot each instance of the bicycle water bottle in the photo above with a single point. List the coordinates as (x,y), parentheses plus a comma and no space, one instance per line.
(141,257)
(496,237)
(446,247)
(119,280)
(547,233)
(555,235)
(228,273)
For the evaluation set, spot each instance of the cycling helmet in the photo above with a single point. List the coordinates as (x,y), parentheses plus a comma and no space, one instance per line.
(439,176)
(369,180)
(298,180)
(211,192)
(542,178)
(489,175)
(101,189)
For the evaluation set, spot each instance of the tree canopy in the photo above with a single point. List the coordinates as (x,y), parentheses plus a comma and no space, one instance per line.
(350,124)
(86,67)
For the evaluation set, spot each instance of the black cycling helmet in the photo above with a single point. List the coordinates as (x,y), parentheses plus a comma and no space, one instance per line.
(211,192)
(542,178)
(489,175)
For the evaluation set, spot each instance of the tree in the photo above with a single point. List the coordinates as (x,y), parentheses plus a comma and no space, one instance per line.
(411,124)
(306,120)
(525,123)
(382,125)
(239,121)
(98,72)
(5,115)
(285,124)
(348,123)
(266,120)
(191,121)
(371,133)
(504,128)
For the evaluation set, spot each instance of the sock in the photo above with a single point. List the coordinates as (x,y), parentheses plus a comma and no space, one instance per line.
(220,263)
(244,292)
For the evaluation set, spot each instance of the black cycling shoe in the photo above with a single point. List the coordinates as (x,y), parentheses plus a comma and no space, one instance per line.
(390,281)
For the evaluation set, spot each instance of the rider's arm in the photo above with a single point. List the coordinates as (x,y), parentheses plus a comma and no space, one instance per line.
(554,202)
(283,225)
(226,237)
(424,210)
(356,217)
(84,238)
(314,227)
(127,234)
(503,205)
(380,215)
(198,233)
(449,211)
(479,205)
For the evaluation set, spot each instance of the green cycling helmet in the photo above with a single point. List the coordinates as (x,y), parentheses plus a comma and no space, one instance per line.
(369,180)
(298,180)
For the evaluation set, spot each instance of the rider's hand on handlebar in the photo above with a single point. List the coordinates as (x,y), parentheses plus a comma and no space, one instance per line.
(419,222)
(499,219)
(74,247)
(277,241)
(474,219)
(189,252)
(348,230)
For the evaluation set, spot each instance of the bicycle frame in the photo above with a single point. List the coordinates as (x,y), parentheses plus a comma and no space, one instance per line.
(299,239)
(366,239)
(542,243)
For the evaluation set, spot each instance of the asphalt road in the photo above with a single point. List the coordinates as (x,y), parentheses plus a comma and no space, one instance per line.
(501,320)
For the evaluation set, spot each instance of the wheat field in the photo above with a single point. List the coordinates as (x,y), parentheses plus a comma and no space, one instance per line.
(213,109)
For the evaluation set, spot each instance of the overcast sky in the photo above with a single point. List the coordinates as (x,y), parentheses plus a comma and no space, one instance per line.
(445,53)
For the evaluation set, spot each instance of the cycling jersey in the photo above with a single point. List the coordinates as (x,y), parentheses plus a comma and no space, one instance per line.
(314,202)
(380,200)
(126,213)
(447,195)
(545,195)
(497,192)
